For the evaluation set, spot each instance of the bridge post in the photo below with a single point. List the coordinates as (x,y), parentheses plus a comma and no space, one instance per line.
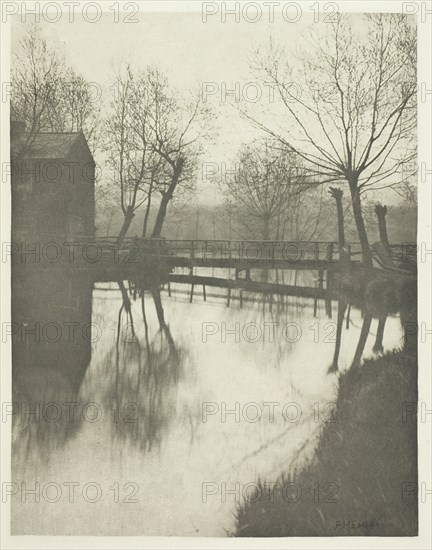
(321,278)
(316,253)
(330,252)
(328,307)
(192,255)
(329,278)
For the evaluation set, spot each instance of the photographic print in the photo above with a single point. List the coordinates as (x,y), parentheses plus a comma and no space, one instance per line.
(213,255)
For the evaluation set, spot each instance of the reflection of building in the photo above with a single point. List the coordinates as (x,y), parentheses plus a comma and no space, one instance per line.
(52,185)
(52,325)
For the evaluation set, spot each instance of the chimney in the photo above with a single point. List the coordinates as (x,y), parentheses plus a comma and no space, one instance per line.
(17,129)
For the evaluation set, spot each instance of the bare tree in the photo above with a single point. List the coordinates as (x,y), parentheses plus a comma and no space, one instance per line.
(269,194)
(47,94)
(349,105)
(152,142)
(130,151)
(178,124)
(106,205)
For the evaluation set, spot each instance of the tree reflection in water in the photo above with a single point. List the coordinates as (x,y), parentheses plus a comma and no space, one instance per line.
(342,306)
(136,389)
(140,376)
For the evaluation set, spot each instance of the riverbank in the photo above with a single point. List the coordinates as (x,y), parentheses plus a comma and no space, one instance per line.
(361,480)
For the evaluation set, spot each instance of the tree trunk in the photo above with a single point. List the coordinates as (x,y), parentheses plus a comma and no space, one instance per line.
(266,229)
(166,197)
(109,223)
(337,194)
(361,228)
(381,212)
(128,217)
(343,254)
(146,217)
(341,230)
(161,215)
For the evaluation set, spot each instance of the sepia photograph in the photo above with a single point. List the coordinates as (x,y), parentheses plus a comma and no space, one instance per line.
(216,252)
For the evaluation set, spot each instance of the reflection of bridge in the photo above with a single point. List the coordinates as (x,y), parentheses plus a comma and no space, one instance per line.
(246,285)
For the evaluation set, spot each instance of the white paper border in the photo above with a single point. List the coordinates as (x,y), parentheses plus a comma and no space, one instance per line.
(423,541)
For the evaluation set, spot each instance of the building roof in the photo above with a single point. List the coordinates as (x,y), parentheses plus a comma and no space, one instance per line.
(48,145)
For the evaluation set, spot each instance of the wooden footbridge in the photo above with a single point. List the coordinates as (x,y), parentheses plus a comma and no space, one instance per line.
(107,257)
(225,264)
(241,255)
(164,256)
(244,255)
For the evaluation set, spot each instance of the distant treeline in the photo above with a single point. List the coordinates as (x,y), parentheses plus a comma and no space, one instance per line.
(214,222)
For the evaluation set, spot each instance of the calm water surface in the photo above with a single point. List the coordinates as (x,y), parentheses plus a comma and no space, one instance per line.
(181,410)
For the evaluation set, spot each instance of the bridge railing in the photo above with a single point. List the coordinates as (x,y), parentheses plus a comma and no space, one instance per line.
(251,249)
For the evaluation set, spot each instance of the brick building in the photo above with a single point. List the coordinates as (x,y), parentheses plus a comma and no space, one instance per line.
(52,185)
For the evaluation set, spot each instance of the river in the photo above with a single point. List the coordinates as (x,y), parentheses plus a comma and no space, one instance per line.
(165,429)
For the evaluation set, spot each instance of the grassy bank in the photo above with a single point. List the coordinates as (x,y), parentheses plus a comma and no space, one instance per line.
(361,480)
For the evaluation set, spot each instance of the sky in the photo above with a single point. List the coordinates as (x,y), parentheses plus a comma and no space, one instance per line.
(194,55)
